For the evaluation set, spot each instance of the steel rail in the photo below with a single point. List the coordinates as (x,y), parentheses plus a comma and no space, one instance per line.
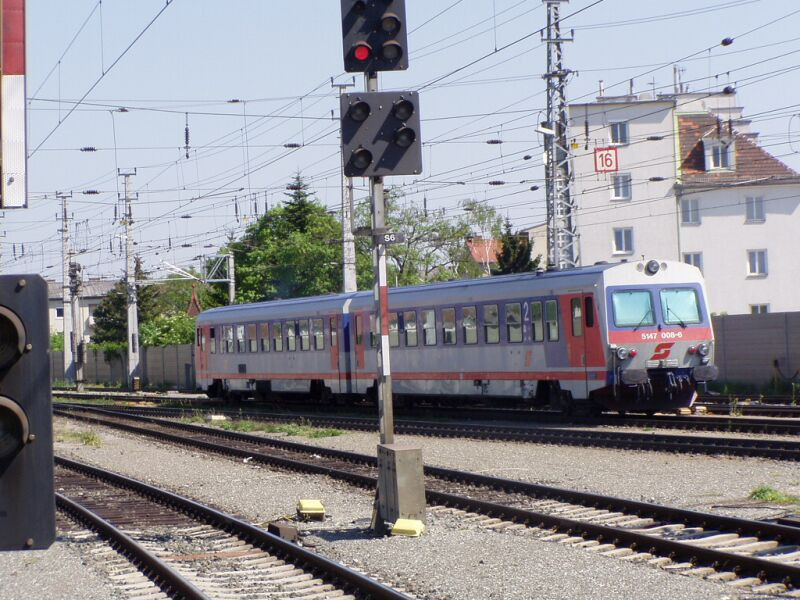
(751,447)
(334,572)
(160,573)
(740,564)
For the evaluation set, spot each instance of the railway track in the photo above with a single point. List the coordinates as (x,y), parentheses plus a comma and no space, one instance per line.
(178,548)
(745,553)
(775,418)
(595,437)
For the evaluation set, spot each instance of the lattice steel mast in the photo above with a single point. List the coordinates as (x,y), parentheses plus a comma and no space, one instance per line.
(562,237)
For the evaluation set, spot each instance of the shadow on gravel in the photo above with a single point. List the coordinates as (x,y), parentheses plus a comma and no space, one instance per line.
(343,535)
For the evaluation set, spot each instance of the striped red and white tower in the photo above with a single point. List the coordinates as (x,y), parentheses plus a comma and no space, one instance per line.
(13,161)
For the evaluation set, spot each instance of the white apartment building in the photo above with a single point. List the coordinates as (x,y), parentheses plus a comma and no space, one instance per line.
(693,184)
(92,294)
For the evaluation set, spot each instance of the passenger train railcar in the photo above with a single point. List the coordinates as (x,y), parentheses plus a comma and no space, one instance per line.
(631,336)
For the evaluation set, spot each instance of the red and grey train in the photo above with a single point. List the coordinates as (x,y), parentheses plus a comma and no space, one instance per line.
(630,336)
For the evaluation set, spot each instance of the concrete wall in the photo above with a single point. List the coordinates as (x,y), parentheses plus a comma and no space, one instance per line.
(170,367)
(747,346)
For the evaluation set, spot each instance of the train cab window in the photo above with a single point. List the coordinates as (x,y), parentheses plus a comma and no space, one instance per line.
(514,322)
(252,338)
(291,336)
(318,334)
(240,342)
(264,333)
(305,339)
(577,317)
(551,318)
(429,327)
(680,306)
(394,331)
(537,321)
(633,308)
(410,328)
(588,303)
(449,326)
(212,340)
(277,337)
(491,324)
(469,324)
(334,341)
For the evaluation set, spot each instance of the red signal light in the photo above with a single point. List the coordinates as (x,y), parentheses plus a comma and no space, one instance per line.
(362,51)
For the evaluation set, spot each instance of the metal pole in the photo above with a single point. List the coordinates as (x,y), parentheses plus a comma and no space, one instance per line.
(77,322)
(349,282)
(130,281)
(66,320)
(381,294)
(231,280)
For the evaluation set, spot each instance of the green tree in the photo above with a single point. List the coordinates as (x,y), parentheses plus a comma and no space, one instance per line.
(166,330)
(515,255)
(292,251)
(57,341)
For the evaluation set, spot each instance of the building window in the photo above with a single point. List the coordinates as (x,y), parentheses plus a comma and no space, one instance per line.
(719,155)
(757,263)
(59,312)
(622,186)
(690,211)
(619,133)
(694,258)
(754,210)
(623,240)
(759,309)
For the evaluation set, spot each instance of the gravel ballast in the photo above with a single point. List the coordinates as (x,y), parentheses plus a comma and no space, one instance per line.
(454,559)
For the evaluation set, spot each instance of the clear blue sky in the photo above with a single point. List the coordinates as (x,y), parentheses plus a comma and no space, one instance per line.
(279,58)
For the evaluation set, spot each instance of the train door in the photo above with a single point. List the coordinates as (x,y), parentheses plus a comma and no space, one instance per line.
(346,370)
(584,347)
(336,365)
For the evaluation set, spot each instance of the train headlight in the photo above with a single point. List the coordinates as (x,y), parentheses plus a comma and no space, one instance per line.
(703,349)
(652,267)
(622,353)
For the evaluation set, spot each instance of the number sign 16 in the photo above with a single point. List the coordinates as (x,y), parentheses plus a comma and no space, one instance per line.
(606,160)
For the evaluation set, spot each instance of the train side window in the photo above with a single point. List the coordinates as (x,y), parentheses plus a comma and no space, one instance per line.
(305,340)
(551,317)
(410,328)
(491,324)
(318,334)
(359,329)
(212,340)
(264,331)
(469,324)
(240,342)
(277,337)
(373,331)
(334,326)
(449,326)
(514,322)
(429,327)
(394,331)
(252,337)
(291,336)
(589,305)
(537,321)
(577,317)
(228,341)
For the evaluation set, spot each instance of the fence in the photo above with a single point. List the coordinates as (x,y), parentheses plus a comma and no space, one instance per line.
(168,367)
(747,348)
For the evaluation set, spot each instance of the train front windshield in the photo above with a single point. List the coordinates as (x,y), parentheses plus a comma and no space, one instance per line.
(680,306)
(634,308)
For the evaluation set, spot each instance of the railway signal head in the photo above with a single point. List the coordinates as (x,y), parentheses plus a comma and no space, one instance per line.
(381,134)
(374,35)
(27,503)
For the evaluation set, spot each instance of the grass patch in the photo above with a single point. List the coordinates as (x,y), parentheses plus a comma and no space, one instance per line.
(87,438)
(93,401)
(766,493)
(249,426)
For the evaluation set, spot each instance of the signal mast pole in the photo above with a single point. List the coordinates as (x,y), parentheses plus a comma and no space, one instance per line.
(349,283)
(562,237)
(130,281)
(66,319)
